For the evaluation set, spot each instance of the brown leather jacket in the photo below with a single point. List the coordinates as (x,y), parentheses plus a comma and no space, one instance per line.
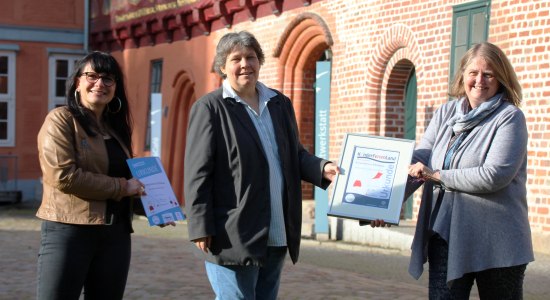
(74,167)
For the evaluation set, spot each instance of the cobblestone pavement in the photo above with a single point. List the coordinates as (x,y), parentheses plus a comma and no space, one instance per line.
(163,267)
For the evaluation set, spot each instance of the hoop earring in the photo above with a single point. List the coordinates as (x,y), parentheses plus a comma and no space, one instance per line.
(119,107)
(76,97)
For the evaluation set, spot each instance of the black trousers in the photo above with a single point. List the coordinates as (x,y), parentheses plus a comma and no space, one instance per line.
(93,257)
(498,283)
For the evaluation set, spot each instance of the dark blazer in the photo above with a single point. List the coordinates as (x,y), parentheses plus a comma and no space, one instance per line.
(226,181)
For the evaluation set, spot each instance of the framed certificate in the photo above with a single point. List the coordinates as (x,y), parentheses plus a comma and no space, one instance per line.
(373,177)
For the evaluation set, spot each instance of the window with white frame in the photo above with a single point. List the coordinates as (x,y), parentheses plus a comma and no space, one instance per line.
(7,99)
(61,68)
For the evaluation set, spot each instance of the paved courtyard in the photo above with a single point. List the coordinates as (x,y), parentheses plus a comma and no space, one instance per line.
(163,267)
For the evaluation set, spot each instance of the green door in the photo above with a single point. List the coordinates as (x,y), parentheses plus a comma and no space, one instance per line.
(410,125)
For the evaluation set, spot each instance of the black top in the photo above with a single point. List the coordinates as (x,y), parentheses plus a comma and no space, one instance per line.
(118,168)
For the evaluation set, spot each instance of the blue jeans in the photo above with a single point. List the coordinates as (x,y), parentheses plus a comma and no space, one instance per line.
(96,257)
(248,282)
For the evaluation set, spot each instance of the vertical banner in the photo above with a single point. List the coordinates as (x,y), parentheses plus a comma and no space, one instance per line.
(156,121)
(322,109)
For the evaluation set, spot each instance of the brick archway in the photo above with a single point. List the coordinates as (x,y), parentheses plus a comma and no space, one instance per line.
(178,116)
(396,56)
(301,45)
(387,73)
(392,108)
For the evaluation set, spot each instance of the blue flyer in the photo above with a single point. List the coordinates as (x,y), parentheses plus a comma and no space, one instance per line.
(160,202)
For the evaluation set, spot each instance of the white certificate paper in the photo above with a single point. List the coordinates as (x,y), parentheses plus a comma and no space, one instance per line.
(374,175)
(160,203)
(371,179)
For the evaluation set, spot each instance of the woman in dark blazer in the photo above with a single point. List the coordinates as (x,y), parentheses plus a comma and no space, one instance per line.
(243,169)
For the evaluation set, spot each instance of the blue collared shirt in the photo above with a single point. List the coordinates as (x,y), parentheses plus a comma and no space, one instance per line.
(264,127)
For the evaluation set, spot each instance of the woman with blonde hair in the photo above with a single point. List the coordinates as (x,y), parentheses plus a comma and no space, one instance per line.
(472,160)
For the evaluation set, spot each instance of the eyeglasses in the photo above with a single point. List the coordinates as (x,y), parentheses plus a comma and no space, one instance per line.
(93,77)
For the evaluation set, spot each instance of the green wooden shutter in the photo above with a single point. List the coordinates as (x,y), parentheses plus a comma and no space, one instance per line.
(470,27)
(410,126)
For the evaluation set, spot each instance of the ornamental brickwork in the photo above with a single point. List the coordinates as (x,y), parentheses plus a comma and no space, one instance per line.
(375,45)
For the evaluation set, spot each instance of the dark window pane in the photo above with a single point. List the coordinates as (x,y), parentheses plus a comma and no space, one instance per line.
(156,76)
(94,9)
(3,130)
(3,111)
(469,27)
(60,88)
(3,84)
(61,68)
(106,7)
(478,28)
(461,31)
(3,65)
(459,52)
(156,81)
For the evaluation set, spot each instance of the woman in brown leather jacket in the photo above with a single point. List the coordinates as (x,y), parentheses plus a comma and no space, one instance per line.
(86,204)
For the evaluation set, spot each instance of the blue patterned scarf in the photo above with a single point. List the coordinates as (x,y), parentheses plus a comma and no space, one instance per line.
(464,120)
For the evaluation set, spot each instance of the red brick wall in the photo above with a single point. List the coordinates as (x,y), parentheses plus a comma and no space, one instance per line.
(376,43)
(522,29)
(46,13)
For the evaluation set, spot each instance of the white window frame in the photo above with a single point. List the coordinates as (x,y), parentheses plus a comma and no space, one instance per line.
(53,100)
(9,97)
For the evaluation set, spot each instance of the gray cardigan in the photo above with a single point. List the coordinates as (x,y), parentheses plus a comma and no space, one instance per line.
(483,215)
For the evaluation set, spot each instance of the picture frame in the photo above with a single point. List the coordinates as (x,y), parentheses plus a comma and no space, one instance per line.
(371,185)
